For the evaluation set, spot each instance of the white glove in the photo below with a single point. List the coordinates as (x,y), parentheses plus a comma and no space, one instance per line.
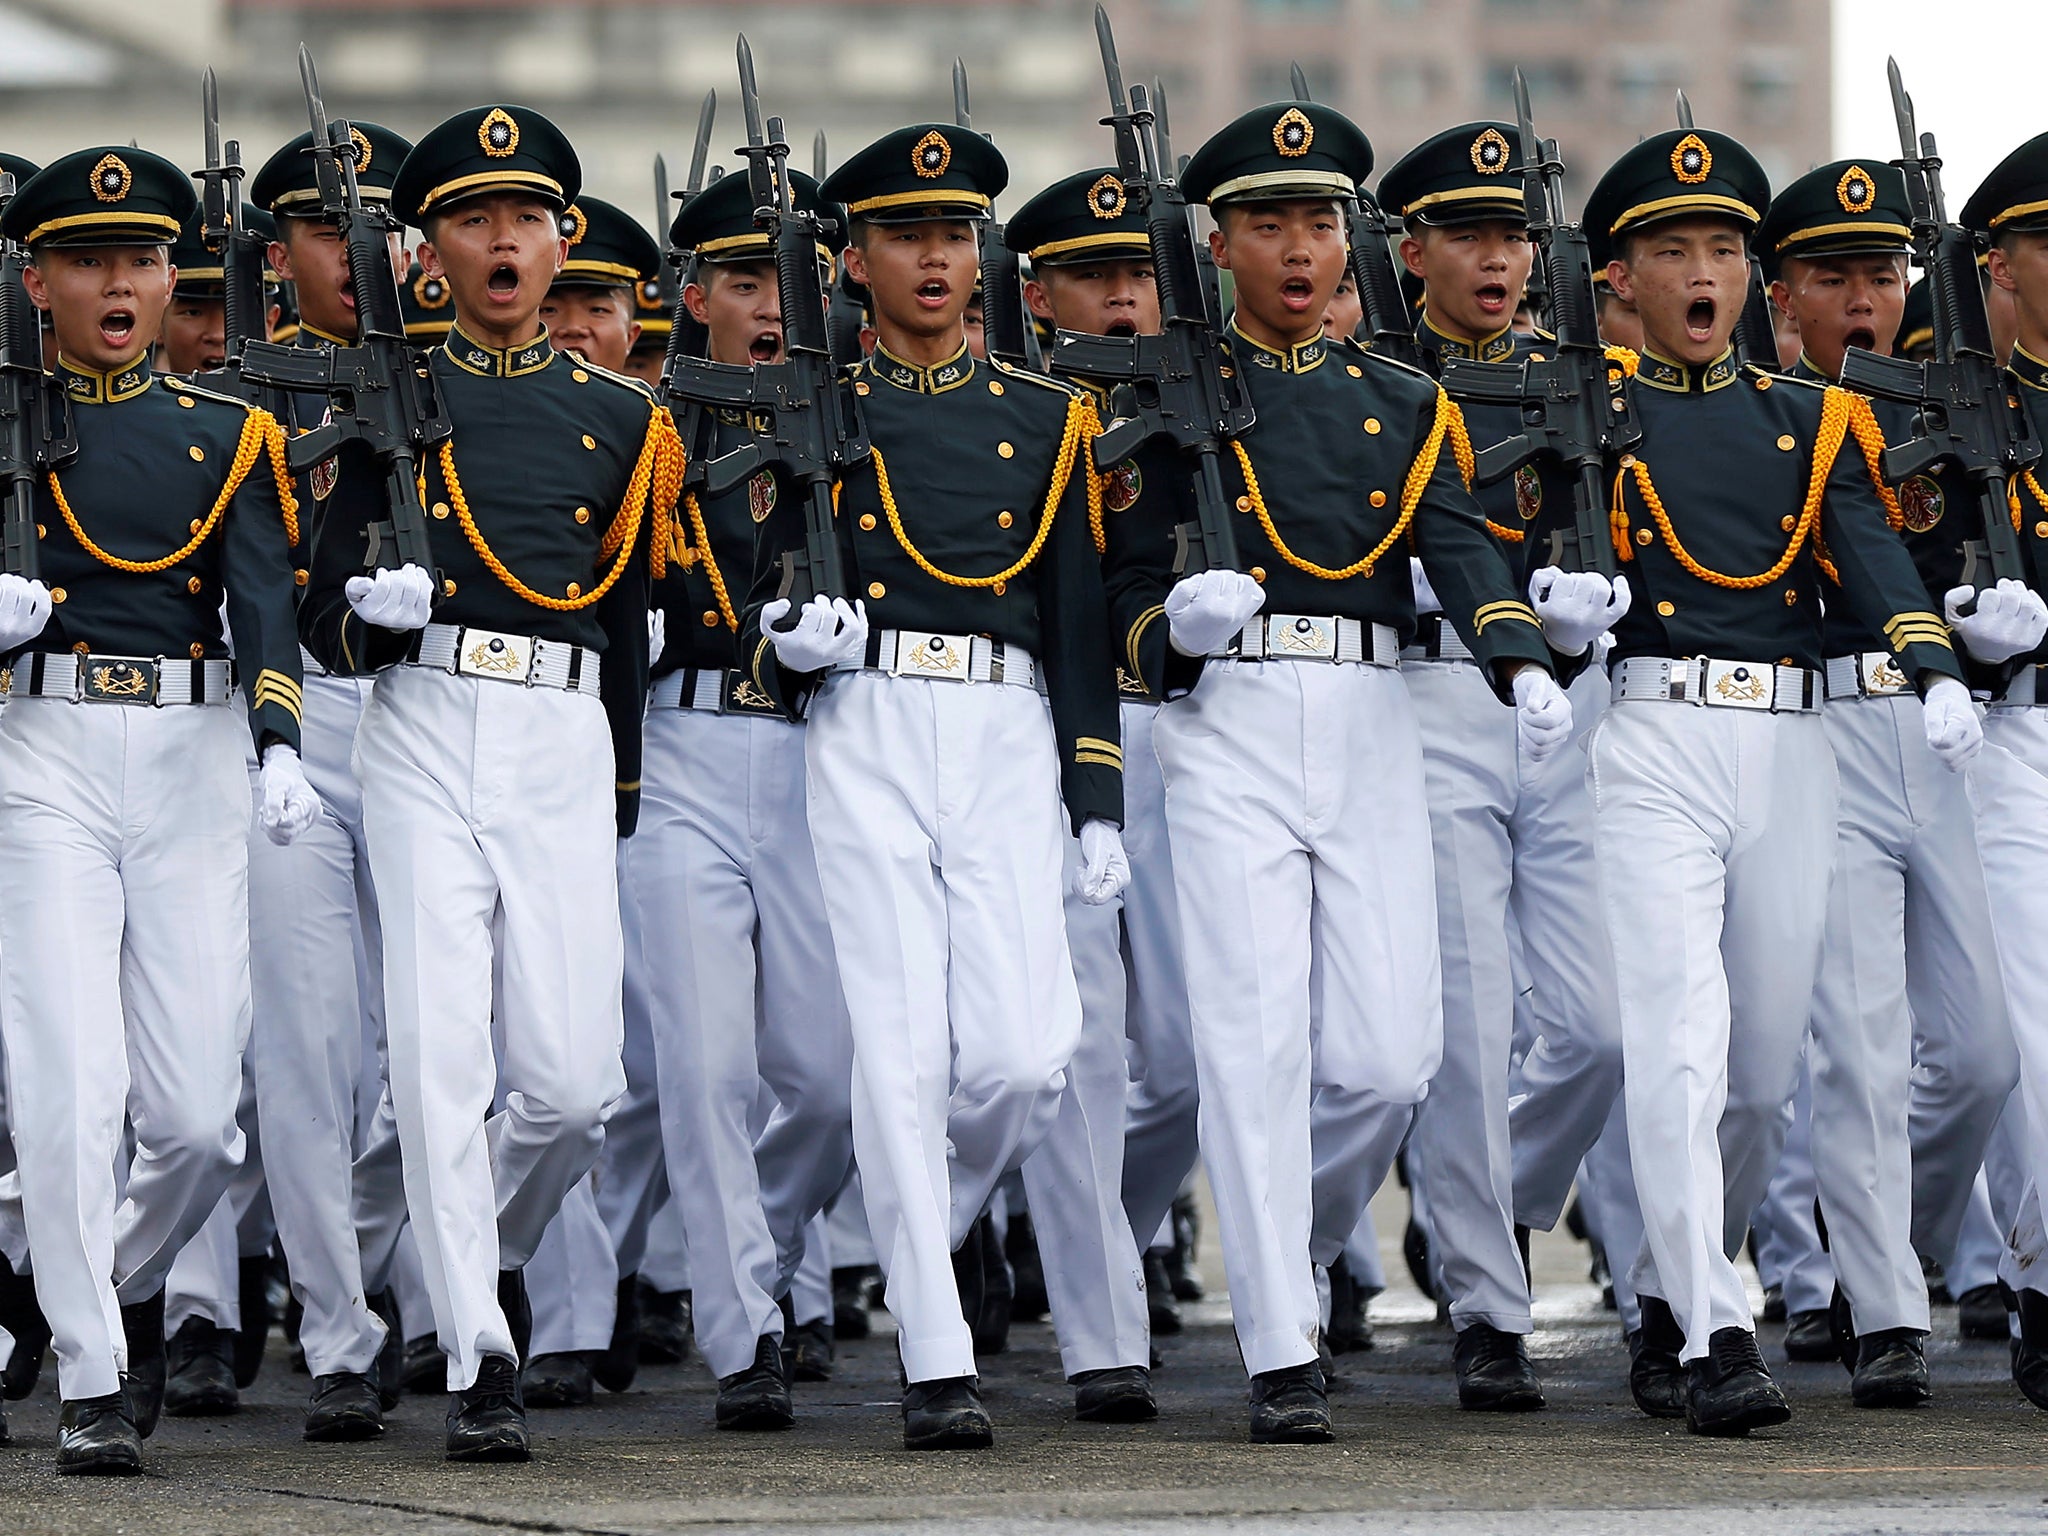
(657,635)
(1105,871)
(1426,600)
(1543,715)
(1204,612)
(2009,621)
(24,610)
(1576,607)
(289,802)
(827,632)
(1955,734)
(400,599)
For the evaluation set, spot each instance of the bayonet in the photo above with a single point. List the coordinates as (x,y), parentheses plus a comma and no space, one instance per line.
(1299,81)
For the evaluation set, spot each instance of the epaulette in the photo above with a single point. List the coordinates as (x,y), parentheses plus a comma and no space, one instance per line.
(178,383)
(1349,346)
(624,380)
(1011,371)
(1767,378)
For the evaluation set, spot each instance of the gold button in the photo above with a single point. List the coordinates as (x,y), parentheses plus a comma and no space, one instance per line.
(583,514)
(1791,596)
(198,651)
(1763,382)
(58,594)
(198,453)
(193,585)
(575,589)
(1787,661)
(579,376)
(1244,503)
(43,532)
(1258,573)
(1644,536)
(1228,373)
(2041,530)
(447,589)
(1666,609)
(1628,461)
(860,389)
(589,441)
(80,648)
(1378,498)
(1619,406)
(300,578)
(1372,425)
(440,509)
(1003,519)
(1004,450)
(867,522)
(1354,370)
(185,401)
(711,618)
(1788,522)
(876,589)
(995,386)
(1000,588)
(195,525)
(1788,442)
(1535,357)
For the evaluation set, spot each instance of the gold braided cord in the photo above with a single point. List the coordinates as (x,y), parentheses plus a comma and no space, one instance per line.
(1625,360)
(1870,438)
(2012,496)
(1081,429)
(702,551)
(1449,422)
(260,434)
(1505,535)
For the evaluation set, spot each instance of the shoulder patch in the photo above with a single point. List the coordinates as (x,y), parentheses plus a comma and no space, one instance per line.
(184,386)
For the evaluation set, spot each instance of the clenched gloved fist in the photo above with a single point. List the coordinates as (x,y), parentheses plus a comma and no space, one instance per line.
(1204,612)
(24,610)
(400,599)
(289,802)
(1105,871)
(1576,607)
(657,635)
(828,632)
(1955,733)
(1543,715)
(2009,620)
(1426,600)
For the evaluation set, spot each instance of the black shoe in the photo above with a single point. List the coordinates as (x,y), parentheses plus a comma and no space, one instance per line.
(1159,1301)
(1290,1407)
(1980,1314)
(1729,1392)
(1350,1331)
(200,1376)
(97,1437)
(1842,1324)
(1937,1282)
(517,1309)
(1119,1395)
(1415,1249)
(1891,1370)
(1656,1379)
(557,1381)
(1187,1242)
(945,1415)
(2030,1348)
(970,1277)
(1029,1304)
(388,1373)
(998,1291)
(344,1406)
(1774,1304)
(1522,1248)
(253,1284)
(487,1422)
(143,1324)
(426,1368)
(615,1366)
(1494,1373)
(850,1302)
(809,1348)
(758,1397)
(664,1326)
(1810,1336)
(22,1316)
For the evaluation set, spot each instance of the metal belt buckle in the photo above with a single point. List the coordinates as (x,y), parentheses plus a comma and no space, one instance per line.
(1740,685)
(923,655)
(117,679)
(1879,674)
(485,653)
(1301,638)
(741,697)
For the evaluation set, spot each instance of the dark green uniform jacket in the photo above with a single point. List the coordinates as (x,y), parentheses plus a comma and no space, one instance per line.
(2032,374)
(711,568)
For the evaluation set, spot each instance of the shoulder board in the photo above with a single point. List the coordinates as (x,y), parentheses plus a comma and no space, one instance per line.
(1406,369)
(623,380)
(1540,334)
(1753,372)
(184,386)
(1025,375)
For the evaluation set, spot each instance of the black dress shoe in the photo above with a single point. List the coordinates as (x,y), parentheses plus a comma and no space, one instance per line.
(1415,1251)
(97,1437)
(200,1376)
(969,1277)
(945,1415)
(1028,1301)
(388,1372)
(1160,1305)
(22,1316)
(664,1326)
(1980,1314)
(1290,1407)
(1810,1336)
(809,1348)
(143,1324)
(487,1421)
(426,1368)
(1774,1304)
(1187,1242)
(1656,1379)
(557,1381)
(517,1309)
(998,1291)
(2030,1348)
(618,1362)
(850,1302)
(344,1406)
(758,1397)
(1121,1394)
(1891,1370)
(1494,1373)
(1728,1391)
(253,1285)
(1350,1331)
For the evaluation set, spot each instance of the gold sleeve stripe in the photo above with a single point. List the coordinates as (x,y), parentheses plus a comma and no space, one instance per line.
(278,679)
(1506,605)
(1495,613)
(1097,744)
(1918,634)
(262,696)
(1136,637)
(1099,761)
(1900,620)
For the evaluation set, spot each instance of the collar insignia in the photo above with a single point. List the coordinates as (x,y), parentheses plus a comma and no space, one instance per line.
(1293,133)
(931,155)
(1490,153)
(498,135)
(1691,160)
(111,179)
(1855,191)
(1106,198)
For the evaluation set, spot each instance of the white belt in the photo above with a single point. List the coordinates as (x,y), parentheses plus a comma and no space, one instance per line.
(1866,675)
(1436,640)
(947,658)
(150,680)
(715,690)
(2028,690)
(1303,637)
(309,664)
(504,658)
(1757,685)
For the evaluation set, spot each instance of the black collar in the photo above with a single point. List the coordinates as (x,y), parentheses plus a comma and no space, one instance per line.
(1805,368)
(935,380)
(491,362)
(1678,379)
(310,335)
(1497,348)
(2028,369)
(1298,358)
(86,387)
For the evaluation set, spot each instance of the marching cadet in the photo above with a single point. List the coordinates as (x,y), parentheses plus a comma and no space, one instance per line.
(1514,848)
(1713,783)
(124,831)
(935,768)
(1293,771)
(2009,783)
(493,789)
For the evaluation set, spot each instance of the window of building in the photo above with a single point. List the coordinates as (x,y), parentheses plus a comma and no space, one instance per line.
(1409,83)
(1549,80)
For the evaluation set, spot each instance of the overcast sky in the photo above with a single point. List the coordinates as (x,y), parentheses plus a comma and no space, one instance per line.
(1974,70)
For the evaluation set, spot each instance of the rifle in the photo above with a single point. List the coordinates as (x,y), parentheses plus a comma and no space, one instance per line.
(1967,417)
(241,253)
(1568,409)
(1006,329)
(1205,264)
(35,416)
(1756,330)
(378,395)
(686,338)
(1179,386)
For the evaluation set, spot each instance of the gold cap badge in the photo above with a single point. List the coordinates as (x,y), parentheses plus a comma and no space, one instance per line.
(931,155)
(1106,197)
(431,292)
(1293,133)
(498,134)
(574,225)
(111,179)
(363,150)
(1691,160)
(1856,192)
(1490,153)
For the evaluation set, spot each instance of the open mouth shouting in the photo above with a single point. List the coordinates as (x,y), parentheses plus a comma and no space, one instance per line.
(1861,336)
(766,346)
(117,329)
(1121,328)
(933,292)
(1297,293)
(503,286)
(1699,320)
(1492,299)
(348,291)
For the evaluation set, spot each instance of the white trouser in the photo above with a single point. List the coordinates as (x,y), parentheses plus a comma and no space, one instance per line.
(1715,830)
(124,924)
(1607,1189)
(936,816)
(205,1279)
(486,806)
(572,1280)
(1294,795)
(847,1227)
(810,1293)
(1909,969)
(745,994)
(665,1266)
(1788,1249)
